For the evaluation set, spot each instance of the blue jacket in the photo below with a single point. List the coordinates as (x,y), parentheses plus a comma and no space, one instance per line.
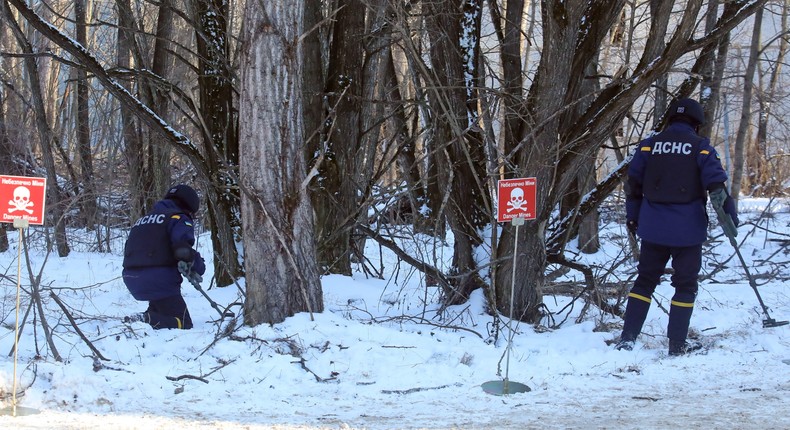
(676,221)
(150,267)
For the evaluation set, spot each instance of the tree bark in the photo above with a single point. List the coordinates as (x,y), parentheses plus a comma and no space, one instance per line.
(87,197)
(741,138)
(767,184)
(341,156)
(219,121)
(157,169)
(456,141)
(709,87)
(280,259)
(133,145)
(6,157)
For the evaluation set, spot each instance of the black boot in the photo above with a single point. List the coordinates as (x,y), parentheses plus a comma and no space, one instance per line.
(138,317)
(635,315)
(683,347)
(626,342)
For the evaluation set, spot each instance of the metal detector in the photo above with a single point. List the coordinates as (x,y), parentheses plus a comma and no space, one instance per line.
(731,231)
(506,386)
(183,267)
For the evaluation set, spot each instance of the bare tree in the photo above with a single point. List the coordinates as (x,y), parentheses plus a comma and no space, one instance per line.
(712,70)
(340,156)
(147,87)
(458,193)
(219,122)
(282,274)
(131,134)
(768,180)
(87,197)
(741,139)
(572,31)
(354,85)
(56,204)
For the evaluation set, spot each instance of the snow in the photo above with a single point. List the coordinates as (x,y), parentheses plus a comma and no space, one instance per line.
(380,357)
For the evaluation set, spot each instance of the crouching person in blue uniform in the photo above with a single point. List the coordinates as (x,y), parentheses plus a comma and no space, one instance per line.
(666,207)
(156,244)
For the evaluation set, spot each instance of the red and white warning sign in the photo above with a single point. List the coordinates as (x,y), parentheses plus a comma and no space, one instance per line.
(22,197)
(516,199)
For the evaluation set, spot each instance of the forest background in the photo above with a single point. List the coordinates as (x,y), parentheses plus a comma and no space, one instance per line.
(311,127)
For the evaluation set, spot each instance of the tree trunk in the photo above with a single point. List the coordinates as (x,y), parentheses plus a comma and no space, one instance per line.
(6,156)
(512,73)
(458,145)
(339,181)
(55,205)
(584,180)
(313,79)
(408,164)
(143,112)
(741,139)
(87,197)
(313,85)
(219,121)
(157,173)
(132,141)
(280,259)
(709,91)
(375,152)
(567,52)
(766,178)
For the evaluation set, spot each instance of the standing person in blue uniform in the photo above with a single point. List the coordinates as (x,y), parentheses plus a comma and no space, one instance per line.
(156,243)
(666,207)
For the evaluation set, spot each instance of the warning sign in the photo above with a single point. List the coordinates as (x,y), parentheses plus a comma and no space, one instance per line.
(22,198)
(516,199)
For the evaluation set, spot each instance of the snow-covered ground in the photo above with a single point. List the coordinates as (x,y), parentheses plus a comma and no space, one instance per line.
(380,357)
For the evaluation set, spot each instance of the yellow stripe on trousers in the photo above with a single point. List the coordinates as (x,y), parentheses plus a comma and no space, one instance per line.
(683,304)
(640,297)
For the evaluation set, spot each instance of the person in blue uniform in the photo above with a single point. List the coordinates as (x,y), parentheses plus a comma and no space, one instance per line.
(666,207)
(156,243)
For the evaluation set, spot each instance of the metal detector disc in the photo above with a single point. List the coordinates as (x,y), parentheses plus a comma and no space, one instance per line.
(18,411)
(771,323)
(499,388)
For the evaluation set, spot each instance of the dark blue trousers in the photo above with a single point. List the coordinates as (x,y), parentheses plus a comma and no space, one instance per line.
(170,312)
(686,262)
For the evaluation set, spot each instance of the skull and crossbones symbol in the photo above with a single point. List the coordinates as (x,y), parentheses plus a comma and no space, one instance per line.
(21,201)
(517,201)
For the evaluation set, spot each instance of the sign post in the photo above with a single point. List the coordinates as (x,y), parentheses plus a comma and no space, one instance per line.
(516,198)
(22,202)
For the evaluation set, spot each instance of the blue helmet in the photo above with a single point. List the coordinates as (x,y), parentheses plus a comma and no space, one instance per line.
(688,109)
(184,196)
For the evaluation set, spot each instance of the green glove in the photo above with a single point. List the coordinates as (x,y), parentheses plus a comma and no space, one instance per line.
(717,199)
(185,268)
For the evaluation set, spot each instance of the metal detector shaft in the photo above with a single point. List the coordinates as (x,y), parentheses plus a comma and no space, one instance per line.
(731,231)
(184,271)
(752,283)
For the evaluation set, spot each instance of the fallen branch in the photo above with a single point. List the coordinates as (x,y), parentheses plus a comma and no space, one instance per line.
(420,320)
(178,378)
(202,378)
(98,365)
(317,378)
(417,264)
(652,399)
(76,327)
(414,390)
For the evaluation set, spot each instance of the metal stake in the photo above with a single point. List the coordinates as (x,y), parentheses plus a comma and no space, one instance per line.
(506,386)
(19,224)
